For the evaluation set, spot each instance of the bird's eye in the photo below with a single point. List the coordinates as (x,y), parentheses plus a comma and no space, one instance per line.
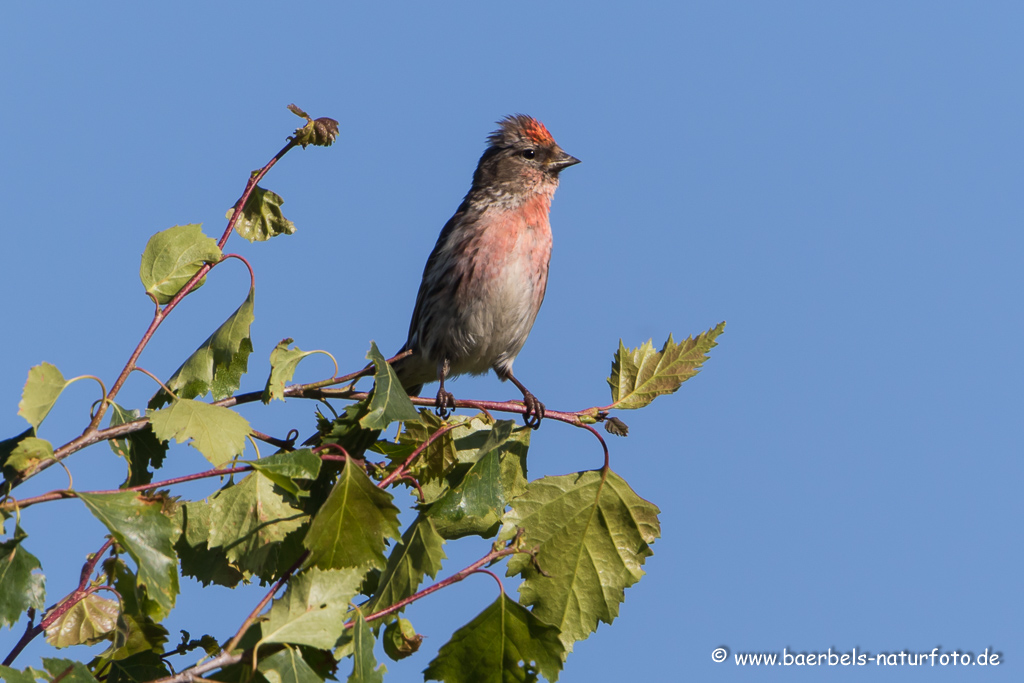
(528,153)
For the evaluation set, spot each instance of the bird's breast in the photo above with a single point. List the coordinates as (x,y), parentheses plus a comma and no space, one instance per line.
(503,284)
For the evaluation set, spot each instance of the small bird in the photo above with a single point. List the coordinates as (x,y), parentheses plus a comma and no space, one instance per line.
(485,279)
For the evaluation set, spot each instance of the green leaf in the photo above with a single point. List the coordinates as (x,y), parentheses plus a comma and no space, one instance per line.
(216,432)
(351,527)
(640,375)
(389,402)
(172,257)
(283,362)
(250,521)
(218,364)
(198,560)
(420,552)
(312,610)
(140,526)
(76,672)
(14,676)
(138,668)
(262,218)
(364,666)
(503,643)
(20,588)
(593,535)
(7,447)
(88,622)
(43,387)
(401,640)
(287,666)
(29,452)
(134,634)
(140,449)
(136,629)
(284,468)
(476,504)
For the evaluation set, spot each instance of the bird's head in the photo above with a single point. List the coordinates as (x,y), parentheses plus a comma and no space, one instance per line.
(521,155)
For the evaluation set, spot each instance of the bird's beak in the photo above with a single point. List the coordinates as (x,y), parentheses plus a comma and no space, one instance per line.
(561,161)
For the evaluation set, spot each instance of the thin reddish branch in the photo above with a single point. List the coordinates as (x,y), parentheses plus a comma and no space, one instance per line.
(68,493)
(233,643)
(509,549)
(312,391)
(400,471)
(61,608)
(88,436)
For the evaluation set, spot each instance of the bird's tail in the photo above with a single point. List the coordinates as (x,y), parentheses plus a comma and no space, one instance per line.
(403,367)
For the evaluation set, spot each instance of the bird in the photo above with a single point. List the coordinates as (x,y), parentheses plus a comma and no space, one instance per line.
(485,279)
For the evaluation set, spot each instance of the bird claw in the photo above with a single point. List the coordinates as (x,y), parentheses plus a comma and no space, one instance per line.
(445,404)
(534,411)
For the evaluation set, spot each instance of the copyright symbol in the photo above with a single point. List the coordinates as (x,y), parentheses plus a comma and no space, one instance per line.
(719,654)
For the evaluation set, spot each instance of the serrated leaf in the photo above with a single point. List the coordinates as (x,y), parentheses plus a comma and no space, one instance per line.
(593,535)
(140,449)
(198,560)
(351,527)
(250,521)
(283,362)
(14,676)
(172,257)
(140,526)
(218,364)
(138,668)
(41,391)
(364,665)
(312,610)
(28,453)
(287,666)
(476,504)
(642,374)
(388,402)
(216,432)
(284,468)
(503,643)
(88,622)
(69,671)
(262,218)
(21,587)
(419,553)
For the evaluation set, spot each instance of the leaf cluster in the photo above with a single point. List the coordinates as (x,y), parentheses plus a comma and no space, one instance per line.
(324,522)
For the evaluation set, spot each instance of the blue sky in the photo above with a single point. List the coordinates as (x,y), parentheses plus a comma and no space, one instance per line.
(842,184)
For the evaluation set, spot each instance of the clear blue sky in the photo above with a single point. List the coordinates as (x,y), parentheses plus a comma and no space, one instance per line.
(842,184)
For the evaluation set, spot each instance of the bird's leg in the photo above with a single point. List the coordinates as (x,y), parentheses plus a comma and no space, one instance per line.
(445,402)
(534,408)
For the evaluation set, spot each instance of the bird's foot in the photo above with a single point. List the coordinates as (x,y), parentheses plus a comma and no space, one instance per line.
(445,403)
(534,410)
